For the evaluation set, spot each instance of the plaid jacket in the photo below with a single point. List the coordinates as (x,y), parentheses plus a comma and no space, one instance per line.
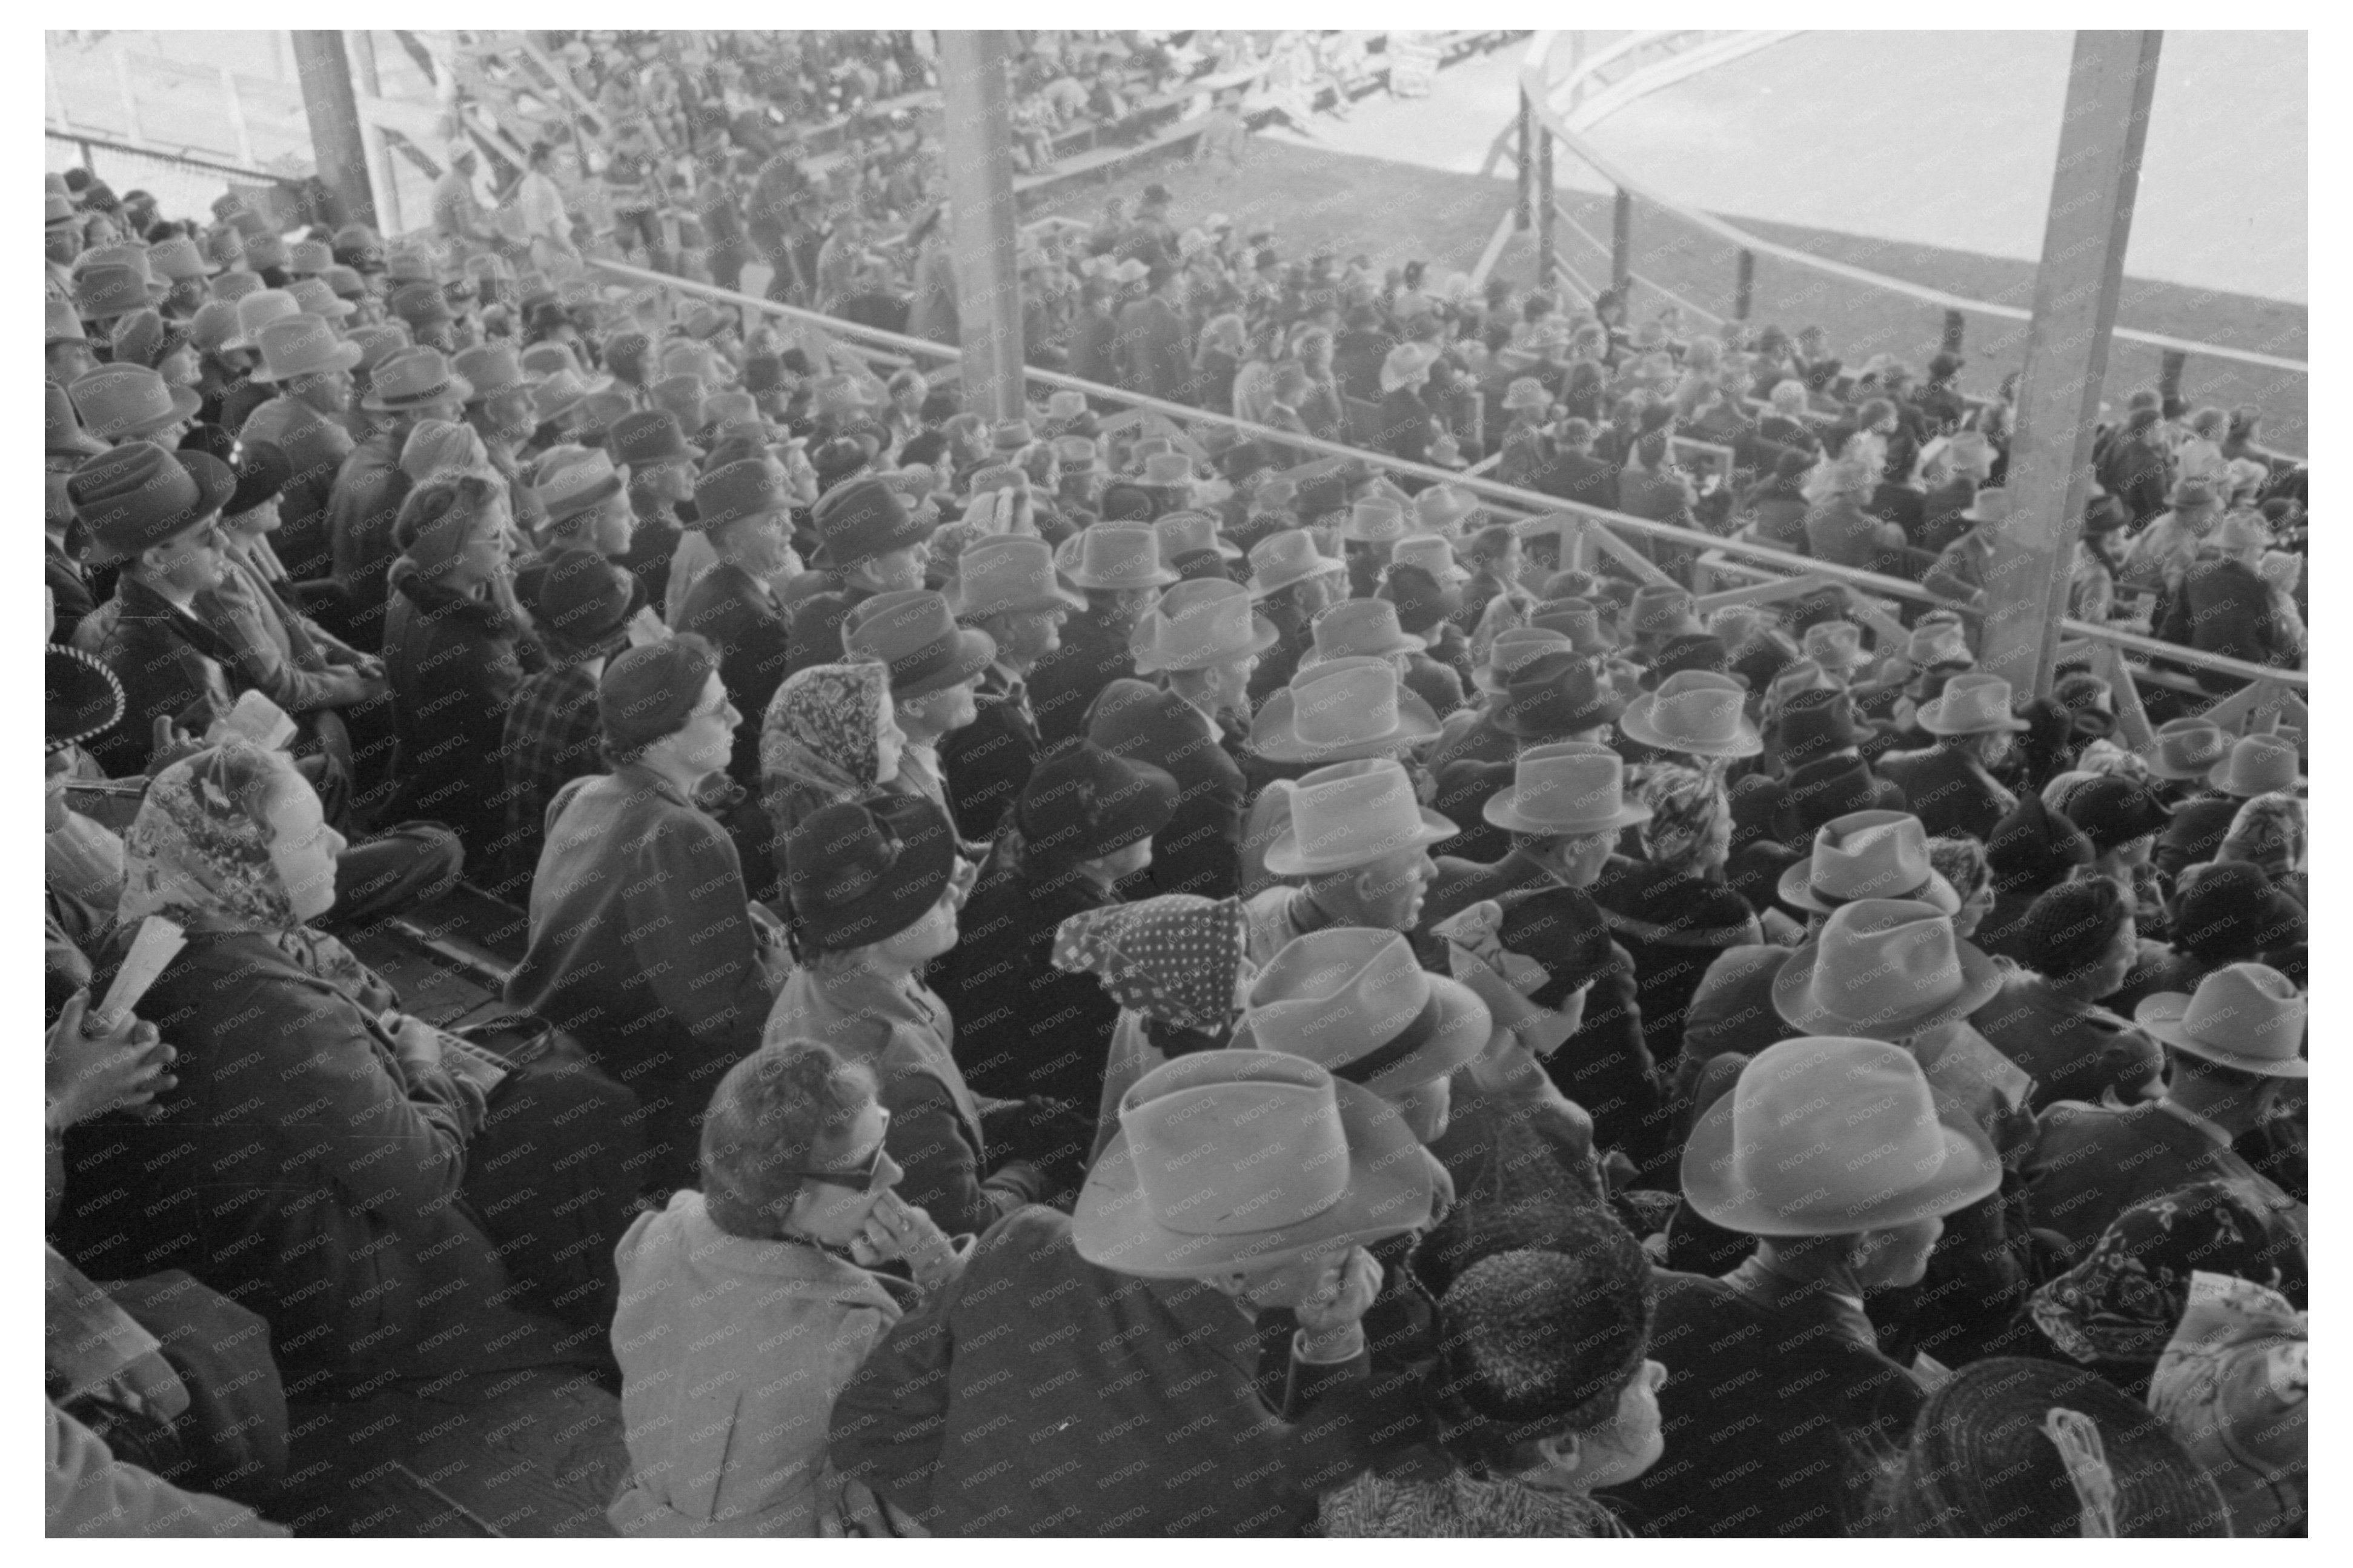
(553,737)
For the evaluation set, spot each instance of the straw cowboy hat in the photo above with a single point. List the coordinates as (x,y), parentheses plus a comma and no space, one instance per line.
(1358,629)
(1408,364)
(1341,710)
(1235,1160)
(1884,968)
(2257,764)
(1114,556)
(1830,1136)
(1695,712)
(1514,650)
(1197,624)
(1836,646)
(1868,854)
(1573,787)
(1009,573)
(1351,814)
(1971,705)
(1357,1003)
(302,345)
(119,401)
(1286,557)
(2246,1016)
(2187,748)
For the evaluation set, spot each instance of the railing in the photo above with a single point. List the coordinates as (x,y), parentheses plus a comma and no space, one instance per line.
(1582,529)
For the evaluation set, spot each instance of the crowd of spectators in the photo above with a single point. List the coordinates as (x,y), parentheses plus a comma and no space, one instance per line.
(1103,978)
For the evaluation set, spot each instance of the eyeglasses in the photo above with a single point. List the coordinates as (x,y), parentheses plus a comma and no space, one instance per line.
(862,1178)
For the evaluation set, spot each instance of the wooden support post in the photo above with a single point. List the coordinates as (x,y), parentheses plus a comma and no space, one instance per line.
(1621,239)
(1548,208)
(122,54)
(2101,133)
(334,116)
(979,146)
(236,105)
(1743,286)
(1524,214)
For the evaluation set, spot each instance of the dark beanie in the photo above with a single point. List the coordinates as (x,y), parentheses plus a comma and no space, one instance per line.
(2069,926)
(648,692)
(2035,847)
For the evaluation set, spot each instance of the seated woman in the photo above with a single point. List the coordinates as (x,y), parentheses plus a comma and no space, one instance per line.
(1543,1392)
(828,738)
(2013,1447)
(314,1163)
(747,1305)
(874,898)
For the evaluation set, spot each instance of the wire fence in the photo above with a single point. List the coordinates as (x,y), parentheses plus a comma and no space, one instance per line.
(182,187)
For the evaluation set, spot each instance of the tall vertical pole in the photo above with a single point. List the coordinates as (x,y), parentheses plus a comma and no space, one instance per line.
(1621,239)
(383,174)
(2109,85)
(1524,214)
(334,115)
(979,147)
(1547,204)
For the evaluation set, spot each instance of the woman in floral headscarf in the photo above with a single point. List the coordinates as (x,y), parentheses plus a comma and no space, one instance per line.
(2270,832)
(1673,910)
(2232,1383)
(1176,965)
(2116,1311)
(828,739)
(308,1162)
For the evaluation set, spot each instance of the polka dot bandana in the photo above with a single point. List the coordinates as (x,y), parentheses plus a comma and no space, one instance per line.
(1177,959)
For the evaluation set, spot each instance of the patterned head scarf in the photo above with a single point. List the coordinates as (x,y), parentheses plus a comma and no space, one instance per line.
(198,852)
(822,729)
(1177,959)
(1685,806)
(2269,831)
(2234,1383)
(2121,1303)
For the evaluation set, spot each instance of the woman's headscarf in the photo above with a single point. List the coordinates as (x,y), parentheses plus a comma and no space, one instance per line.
(2234,1383)
(1177,959)
(2269,831)
(823,728)
(2121,1303)
(198,852)
(1685,805)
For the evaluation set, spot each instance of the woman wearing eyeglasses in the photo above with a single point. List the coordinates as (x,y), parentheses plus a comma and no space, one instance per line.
(745,1306)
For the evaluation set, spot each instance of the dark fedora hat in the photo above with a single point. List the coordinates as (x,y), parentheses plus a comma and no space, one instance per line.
(139,495)
(83,698)
(1700,650)
(650,436)
(860,520)
(732,491)
(858,874)
(262,470)
(1084,803)
(1554,694)
(584,600)
(913,632)
(1817,723)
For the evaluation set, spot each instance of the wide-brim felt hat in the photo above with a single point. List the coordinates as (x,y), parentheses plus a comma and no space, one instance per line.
(83,698)
(2178,1018)
(912,632)
(308,344)
(1640,722)
(1556,694)
(451,388)
(1578,774)
(1084,558)
(1008,573)
(1387,1188)
(138,495)
(1792,1149)
(863,519)
(1797,999)
(117,402)
(2256,764)
(1162,641)
(1274,731)
(1449,1032)
(1084,801)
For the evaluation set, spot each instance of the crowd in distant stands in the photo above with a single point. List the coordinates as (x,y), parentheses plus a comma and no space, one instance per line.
(1110,978)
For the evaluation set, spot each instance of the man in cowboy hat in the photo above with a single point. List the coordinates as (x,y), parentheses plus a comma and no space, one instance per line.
(311,368)
(1005,587)
(1086,822)
(1178,1434)
(2233,1047)
(157,513)
(744,509)
(1835,1155)
(408,388)
(631,865)
(1949,786)
(1117,567)
(1352,843)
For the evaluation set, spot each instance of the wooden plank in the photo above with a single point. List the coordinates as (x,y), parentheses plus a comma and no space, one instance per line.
(1869,611)
(2132,717)
(1771,593)
(1605,538)
(2111,82)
